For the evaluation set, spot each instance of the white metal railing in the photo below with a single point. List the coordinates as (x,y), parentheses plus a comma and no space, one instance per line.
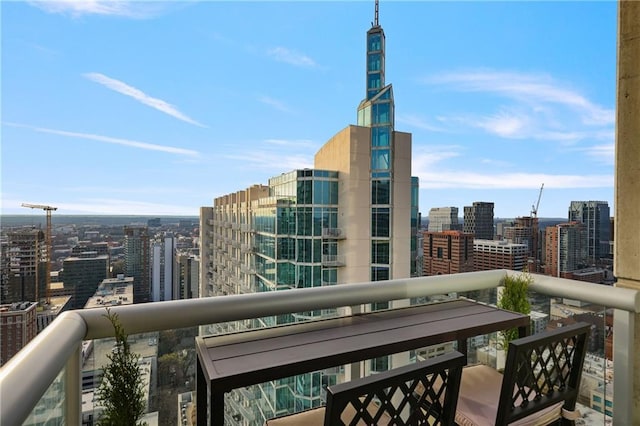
(25,378)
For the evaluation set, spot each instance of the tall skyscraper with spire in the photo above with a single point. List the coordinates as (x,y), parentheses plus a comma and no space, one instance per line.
(352,218)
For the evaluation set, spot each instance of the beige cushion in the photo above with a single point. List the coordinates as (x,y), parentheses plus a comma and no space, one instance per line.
(315,416)
(479,397)
(310,417)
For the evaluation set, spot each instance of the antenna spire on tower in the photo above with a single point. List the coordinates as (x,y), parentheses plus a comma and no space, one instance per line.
(375,21)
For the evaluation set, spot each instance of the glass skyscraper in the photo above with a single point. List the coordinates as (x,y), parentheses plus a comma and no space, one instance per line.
(352,218)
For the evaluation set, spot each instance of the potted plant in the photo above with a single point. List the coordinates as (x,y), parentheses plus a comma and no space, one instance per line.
(121,392)
(513,296)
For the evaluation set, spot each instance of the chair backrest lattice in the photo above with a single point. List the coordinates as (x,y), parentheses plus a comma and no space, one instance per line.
(542,370)
(424,393)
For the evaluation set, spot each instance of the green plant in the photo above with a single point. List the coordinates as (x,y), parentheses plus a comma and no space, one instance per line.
(121,392)
(514,298)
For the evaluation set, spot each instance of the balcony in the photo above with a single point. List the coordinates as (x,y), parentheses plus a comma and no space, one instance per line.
(333,234)
(332,260)
(56,352)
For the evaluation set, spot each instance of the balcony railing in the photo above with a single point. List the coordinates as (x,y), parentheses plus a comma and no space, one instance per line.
(26,377)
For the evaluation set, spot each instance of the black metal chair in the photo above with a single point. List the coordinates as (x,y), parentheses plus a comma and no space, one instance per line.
(539,386)
(390,398)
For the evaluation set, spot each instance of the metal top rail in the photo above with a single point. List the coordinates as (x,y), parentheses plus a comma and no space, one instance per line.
(25,378)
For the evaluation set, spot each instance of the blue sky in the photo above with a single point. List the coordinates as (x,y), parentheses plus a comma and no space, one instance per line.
(157,107)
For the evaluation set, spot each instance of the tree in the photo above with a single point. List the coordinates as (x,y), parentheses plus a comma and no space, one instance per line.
(121,392)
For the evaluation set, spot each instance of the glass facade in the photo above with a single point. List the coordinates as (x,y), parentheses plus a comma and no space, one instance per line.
(291,242)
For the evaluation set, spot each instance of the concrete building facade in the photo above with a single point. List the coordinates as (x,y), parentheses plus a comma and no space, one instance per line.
(489,254)
(444,219)
(447,252)
(163,258)
(478,220)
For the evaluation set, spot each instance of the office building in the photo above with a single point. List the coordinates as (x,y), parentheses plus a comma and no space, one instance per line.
(137,261)
(444,219)
(524,230)
(595,217)
(478,220)
(352,218)
(24,266)
(566,248)
(162,263)
(82,274)
(186,280)
(17,328)
(49,312)
(489,254)
(447,252)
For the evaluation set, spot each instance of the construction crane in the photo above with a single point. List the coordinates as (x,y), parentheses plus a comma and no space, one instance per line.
(534,209)
(48,210)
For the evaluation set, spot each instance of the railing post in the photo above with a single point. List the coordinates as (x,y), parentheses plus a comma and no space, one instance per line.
(73,387)
(623,350)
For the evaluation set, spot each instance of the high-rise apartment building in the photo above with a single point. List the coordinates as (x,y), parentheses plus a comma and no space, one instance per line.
(17,328)
(566,248)
(24,266)
(82,274)
(163,256)
(186,280)
(478,220)
(352,218)
(489,254)
(525,231)
(137,260)
(595,217)
(444,219)
(447,252)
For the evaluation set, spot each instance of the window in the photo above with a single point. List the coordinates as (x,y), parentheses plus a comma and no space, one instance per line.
(379,273)
(439,252)
(373,81)
(380,136)
(381,113)
(375,61)
(374,42)
(380,251)
(380,190)
(380,222)
(380,159)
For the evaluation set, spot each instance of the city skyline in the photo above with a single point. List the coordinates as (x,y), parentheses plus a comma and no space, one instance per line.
(157,108)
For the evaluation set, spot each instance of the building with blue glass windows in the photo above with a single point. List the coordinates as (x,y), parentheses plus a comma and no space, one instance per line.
(352,218)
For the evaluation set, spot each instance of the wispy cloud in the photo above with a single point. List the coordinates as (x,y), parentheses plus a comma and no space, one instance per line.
(298,143)
(140,96)
(604,154)
(526,88)
(472,180)
(273,160)
(418,122)
(108,139)
(275,103)
(537,107)
(292,57)
(431,165)
(77,8)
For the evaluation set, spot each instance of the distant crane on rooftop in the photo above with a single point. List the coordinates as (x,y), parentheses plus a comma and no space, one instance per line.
(48,210)
(534,208)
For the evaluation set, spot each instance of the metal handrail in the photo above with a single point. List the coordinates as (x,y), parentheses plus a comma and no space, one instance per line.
(25,378)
